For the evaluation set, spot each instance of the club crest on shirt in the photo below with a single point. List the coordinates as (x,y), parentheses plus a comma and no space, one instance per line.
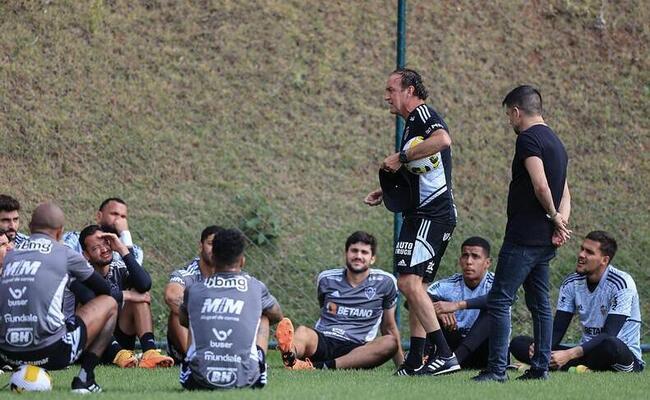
(370,292)
(603,309)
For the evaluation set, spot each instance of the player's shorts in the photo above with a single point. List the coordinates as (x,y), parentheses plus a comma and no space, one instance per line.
(420,247)
(189,380)
(58,355)
(329,348)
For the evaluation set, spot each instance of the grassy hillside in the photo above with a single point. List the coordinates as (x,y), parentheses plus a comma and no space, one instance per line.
(209,111)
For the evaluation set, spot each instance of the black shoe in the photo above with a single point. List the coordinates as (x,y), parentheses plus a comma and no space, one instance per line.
(439,365)
(404,370)
(90,386)
(489,376)
(533,374)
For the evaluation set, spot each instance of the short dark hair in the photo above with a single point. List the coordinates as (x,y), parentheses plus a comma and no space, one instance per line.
(227,247)
(412,78)
(477,241)
(8,203)
(115,199)
(362,237)
(526,98)
(210,230)
(607,242)
(88,231)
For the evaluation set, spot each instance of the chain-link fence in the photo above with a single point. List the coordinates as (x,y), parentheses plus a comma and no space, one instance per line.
(255,117)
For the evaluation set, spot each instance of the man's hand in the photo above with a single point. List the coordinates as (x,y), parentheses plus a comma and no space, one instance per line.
(136,297)
(121,225)
(531,350)
(391,163)
(558,239)
(561,233)
(374,198)
(561,357)
(445,307)
(448,321)
(115,243)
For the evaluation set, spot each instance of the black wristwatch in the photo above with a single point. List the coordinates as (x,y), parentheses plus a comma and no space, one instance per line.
(402,157)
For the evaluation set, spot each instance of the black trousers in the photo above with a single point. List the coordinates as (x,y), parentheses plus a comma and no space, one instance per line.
(471,349)
(610,355)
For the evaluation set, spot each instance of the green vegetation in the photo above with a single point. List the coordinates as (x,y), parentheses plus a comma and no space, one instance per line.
(376,384)
(186,109)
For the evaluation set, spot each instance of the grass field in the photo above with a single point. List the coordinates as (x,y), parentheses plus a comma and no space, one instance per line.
(213,111)
(375,384)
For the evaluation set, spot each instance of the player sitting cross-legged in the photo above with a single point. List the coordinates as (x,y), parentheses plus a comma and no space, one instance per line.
(607,302)
(356,302)
(223,313)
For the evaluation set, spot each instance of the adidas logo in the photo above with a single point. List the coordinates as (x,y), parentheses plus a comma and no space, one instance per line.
(336,293)
(401,263)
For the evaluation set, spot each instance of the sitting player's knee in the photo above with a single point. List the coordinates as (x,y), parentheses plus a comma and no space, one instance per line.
(611,346)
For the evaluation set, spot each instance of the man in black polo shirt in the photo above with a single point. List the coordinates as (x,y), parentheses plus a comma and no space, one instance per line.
(538,212)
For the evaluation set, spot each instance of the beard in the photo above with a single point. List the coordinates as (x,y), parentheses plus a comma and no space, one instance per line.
(99,263)
(356,270)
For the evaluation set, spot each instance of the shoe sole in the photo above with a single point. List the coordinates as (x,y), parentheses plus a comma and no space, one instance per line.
(449,370)
(162,363)
(284,335)
(131,364)
(84,391)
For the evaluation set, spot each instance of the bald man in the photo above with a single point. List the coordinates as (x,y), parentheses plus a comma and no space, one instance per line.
(32,286)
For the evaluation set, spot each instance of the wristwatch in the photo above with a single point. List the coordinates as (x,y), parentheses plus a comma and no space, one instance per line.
(402,157)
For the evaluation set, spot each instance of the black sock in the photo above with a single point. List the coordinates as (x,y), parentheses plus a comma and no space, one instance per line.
(439,344)
(88,363)
(147,342)
(329,364)
(414,358)
(112,350)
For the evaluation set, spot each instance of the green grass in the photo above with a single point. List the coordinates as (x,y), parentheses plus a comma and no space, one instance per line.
(375,384)
(188,110)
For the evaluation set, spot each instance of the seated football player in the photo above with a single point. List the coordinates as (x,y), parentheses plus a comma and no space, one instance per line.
(356,302)
(112,216)
(130,285)
(460,302)
(34,329)
(10,219)
(194,271)
(5,245)
(223,313)
(607,303)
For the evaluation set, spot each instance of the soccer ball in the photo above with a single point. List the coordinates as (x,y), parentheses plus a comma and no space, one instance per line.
(30,378)
(423,165)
